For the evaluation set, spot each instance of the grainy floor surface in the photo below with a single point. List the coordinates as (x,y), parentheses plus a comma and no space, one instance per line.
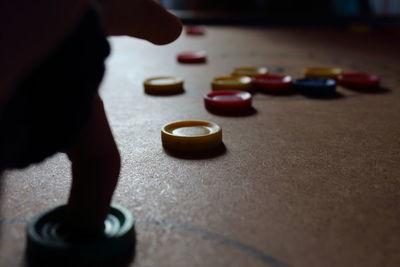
(303,182)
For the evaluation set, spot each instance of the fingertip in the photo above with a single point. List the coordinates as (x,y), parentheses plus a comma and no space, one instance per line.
(169,34)
(145,19)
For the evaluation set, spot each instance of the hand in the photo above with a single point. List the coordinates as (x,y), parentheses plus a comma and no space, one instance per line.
(144,19)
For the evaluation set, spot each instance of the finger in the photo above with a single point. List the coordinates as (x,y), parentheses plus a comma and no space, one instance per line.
(143,19)
(95,169)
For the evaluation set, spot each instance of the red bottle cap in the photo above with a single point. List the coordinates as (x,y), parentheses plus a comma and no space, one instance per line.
(272,83)
(195,30)
(192,57)
(228,101)
(359,80)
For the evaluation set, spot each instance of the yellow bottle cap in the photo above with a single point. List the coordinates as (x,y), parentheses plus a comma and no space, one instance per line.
(322,72)
(242,83)
(163,85)
(191,135)
(249,71)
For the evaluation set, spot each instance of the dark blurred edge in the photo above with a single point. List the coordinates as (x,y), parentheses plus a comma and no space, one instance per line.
(232,18)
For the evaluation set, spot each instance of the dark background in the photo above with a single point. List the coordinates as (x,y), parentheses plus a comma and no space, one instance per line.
(380,13)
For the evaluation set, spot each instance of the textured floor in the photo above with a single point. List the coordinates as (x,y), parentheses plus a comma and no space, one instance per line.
(303,182)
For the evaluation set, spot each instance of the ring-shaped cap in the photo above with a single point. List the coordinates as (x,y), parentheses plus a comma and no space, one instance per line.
(359,80)
(195,30)
(192,57)
(163,85)
(49,241)
(315,86)
(272,83)
(191,135)
(249,71)
(322,72)
(242,83)
(228,101)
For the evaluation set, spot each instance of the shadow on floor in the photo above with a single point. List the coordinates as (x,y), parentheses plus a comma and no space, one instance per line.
(333,96)
(245,113)
(119,260)
(379,90)
(213,153)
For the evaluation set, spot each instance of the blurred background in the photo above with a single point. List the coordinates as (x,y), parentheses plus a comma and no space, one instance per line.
(378,12)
